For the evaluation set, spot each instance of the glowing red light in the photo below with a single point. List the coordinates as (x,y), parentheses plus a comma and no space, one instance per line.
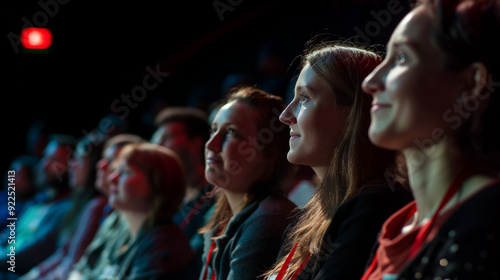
(36,38)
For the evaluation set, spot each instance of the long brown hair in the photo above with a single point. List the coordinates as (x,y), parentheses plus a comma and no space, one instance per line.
(354,163)
(273,137)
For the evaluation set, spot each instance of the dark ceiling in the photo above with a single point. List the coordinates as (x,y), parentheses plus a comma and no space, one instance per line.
(103,50)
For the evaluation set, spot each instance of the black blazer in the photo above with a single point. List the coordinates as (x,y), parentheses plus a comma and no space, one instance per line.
(467,246)
(353,232)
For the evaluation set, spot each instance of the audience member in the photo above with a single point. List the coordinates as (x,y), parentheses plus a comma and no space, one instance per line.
(39,224)
(92,263)
(82,220)
(246,161)
(435,102)
(147,187)
(329,117)
(185,130)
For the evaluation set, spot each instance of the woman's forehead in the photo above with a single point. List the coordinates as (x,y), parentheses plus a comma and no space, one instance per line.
(414,29)
(235,112)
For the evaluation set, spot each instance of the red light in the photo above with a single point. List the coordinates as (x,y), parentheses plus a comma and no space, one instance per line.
(36,38)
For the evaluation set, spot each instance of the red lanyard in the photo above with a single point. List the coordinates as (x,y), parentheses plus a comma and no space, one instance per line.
(287,263)
(212,247)
(423,232)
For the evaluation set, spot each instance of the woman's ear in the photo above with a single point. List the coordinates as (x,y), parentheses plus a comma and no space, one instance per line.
(476,76)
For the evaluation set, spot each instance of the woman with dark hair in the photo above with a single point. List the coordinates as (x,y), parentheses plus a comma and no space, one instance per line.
(246,161)
(435,102)
(147,187)
(332,236)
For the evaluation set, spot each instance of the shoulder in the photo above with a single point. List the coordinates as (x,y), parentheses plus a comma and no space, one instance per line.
(482,210)
(167,242)
(383,192)
(381,198)
(270,218)
(273,207)
(369,209)
(165,234)
(95,206)
(58,208)
(161,252)
(468,244)
(97,202)
(63,202)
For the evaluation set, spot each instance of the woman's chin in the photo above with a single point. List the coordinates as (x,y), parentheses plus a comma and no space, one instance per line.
(382,139)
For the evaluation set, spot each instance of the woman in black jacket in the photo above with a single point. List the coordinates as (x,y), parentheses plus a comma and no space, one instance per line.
(329,118)
(435,100)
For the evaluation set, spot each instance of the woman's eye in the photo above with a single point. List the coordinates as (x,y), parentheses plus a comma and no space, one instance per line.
(401,58)
(231,131)
(303,98)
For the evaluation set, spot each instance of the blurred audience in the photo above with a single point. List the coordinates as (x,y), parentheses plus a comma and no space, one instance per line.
(37,138)
(93,261)
(82,220)
(24,187)
(38,227)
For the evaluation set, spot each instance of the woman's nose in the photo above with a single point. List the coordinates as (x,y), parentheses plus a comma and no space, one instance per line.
(288,116)
(374,82)
(103,164)
(113,177)
(214,143)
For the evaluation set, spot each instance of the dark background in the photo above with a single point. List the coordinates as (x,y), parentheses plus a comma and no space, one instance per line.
(101,51)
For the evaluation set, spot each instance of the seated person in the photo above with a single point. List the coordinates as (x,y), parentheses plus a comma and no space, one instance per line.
(185,130)
(81,222)
(146,189)
(39,223)
(90,265)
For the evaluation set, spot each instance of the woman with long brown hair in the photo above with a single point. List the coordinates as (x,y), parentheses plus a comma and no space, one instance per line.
(329,118)
(246,161)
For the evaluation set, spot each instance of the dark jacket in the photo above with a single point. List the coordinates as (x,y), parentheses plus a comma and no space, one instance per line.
(113,232)
(353,231)
(161,252)
(468,244)
(251,241)
(192,216)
